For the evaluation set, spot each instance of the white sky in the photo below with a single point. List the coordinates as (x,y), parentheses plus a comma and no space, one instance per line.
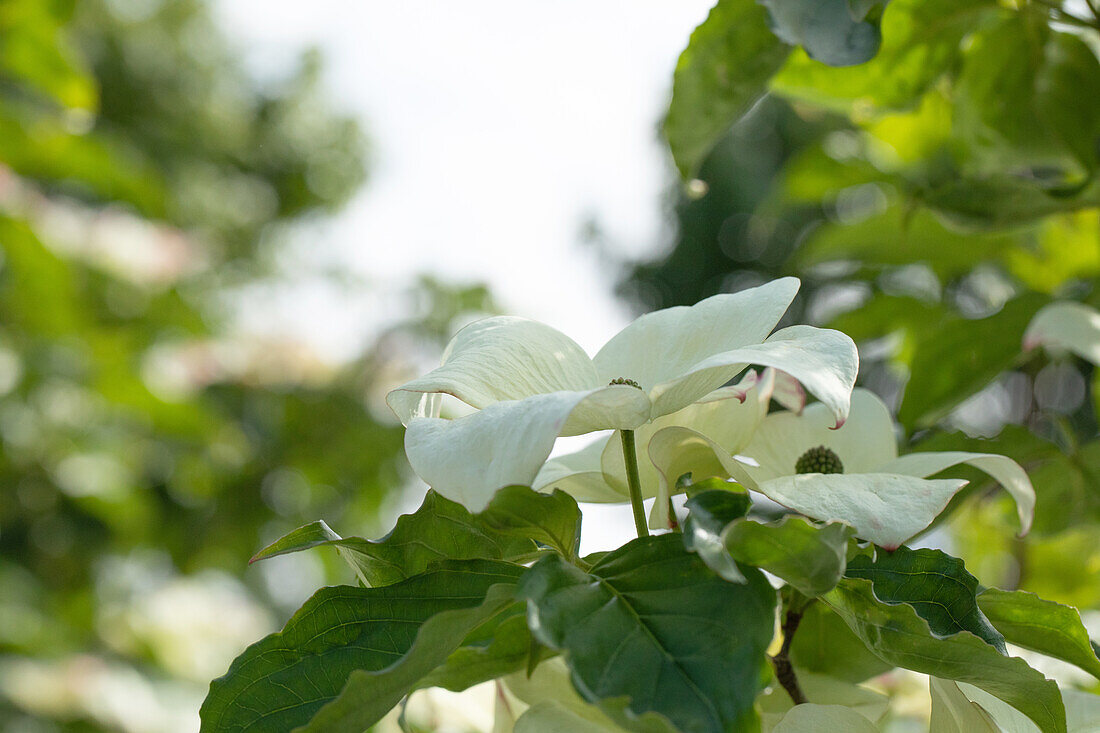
(498,127)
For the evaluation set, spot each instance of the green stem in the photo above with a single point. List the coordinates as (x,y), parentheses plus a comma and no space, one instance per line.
(630,456)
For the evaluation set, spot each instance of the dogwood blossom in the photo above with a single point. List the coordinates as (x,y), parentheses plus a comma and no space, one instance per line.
(700,439)
(855,475)
(531,384)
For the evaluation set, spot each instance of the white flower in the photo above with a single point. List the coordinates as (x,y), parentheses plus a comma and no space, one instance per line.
(1066,326)
(701,439)
(886,498)
(531,383)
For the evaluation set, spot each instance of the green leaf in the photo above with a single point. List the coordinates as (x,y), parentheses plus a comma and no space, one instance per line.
(363,647)
(550,716)
(1028,102)
(936,585)
(550,684)
(824,645)
(809,556)
(37,53)
(1042,626)
(812,718)
(775,703)
(953,712)
(505,650)
(959,357)
(723,71)
(999,201)
(439,530)
(829,30)
(920,42)
(652,627)
(709,512)
(551,519)
(914,237)
(899,636)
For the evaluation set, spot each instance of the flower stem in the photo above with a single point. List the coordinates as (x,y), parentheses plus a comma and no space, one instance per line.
(630,456)
(784,670)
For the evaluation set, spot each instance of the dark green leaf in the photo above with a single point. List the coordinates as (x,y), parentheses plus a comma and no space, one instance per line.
(723,71)
(825,645)
(369,646)
(832,31)
(439,530)
(552,519)
(652,627)
(899,636)
(935,584)
(959,357)
(1043,626)
(709,512)
(810,557)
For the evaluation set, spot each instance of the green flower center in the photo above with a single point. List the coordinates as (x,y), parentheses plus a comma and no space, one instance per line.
(626,381)
(819,460)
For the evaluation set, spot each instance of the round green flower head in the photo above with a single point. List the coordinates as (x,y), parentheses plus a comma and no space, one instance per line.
(819,460)
(624,380)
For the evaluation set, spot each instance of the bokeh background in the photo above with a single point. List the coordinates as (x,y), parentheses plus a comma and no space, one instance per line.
(228,228)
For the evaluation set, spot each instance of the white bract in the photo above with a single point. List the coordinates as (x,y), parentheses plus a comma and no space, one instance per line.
(886,498)
(700,439)
(531,384)
(1066,326)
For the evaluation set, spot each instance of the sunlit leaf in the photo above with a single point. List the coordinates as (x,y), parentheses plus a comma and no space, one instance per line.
(365,648)
(809,556)
(826,646)
(899,636)
(1043,626)
(439,530)
(723,71)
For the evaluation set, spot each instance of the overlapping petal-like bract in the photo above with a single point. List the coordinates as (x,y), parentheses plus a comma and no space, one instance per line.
(1066,326)
(886,498)
(700,439)
(531,384)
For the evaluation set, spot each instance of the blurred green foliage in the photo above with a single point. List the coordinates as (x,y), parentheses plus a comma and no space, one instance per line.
(147,452)
(932,200)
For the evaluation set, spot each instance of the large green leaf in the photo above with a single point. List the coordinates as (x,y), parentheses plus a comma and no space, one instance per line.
(652,627)
(936,585)
(998,201)
(551,519)
(959,357)
(809,556)
(831,31)
(824,645)
(440,529)
(899,636)
(723,71)
(920,42)
(1043,626)
(365,647)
